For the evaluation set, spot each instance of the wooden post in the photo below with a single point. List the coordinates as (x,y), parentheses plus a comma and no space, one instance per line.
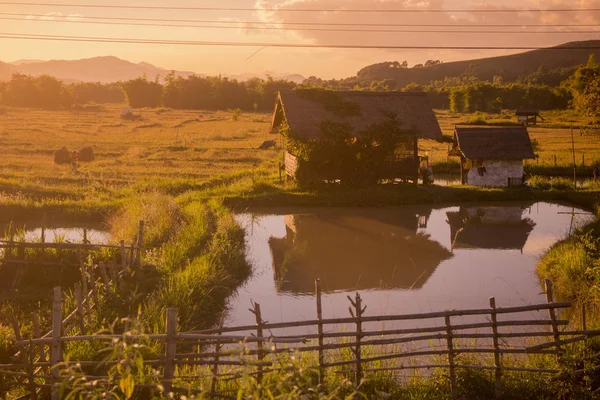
(497,357)
(55,349)
(215,367)
(259,344)
(555,164)
(29,355)
(140,244)
(583,317)
(85,239)
(171,345)
(451,365)
(43,235)
(37,333)
(80,312)
(84,283)
(552,312)
(583,159)
(358,313)
(123,256)
(320,332)
(416,155)
(93,286)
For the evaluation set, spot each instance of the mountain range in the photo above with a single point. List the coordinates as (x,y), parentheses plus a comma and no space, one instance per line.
(510,67)
(107,69)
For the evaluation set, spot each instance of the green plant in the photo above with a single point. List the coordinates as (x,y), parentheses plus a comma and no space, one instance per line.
(236,113)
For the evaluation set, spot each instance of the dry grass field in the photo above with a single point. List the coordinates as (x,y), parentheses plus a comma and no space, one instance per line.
(201,153)
(172,151)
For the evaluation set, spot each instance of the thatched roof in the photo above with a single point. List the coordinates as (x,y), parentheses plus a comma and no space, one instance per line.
(497,143)
(304,114)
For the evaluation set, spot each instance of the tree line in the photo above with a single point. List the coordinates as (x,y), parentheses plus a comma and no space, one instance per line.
(579,88)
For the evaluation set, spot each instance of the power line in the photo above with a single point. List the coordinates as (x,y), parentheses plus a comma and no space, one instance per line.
(301,23)
(268,28)
(345,10)
(26,36)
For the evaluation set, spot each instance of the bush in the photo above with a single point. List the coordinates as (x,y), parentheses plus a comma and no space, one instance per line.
(236,113)
(539,182)
(62,156)
(86,154)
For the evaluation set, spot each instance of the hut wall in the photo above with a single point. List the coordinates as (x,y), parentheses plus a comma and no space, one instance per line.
(496,173)
(291,165)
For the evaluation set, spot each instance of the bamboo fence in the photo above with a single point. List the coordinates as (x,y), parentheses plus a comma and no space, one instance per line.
(225,353)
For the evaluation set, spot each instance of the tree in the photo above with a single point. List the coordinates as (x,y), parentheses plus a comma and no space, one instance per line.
(141,92)
(429,63)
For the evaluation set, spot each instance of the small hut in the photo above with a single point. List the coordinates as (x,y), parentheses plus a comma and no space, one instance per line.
(528,116)
(492,157)
(306,115)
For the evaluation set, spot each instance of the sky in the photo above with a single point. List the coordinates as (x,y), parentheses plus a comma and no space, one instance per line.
(322,62)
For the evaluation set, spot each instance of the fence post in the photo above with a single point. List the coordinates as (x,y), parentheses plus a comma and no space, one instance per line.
(552,312)
(358,312)
(56,348)
(37,333)
(215,368)
(123,256)
(320,332)
(93,286)
(85,239)
(80,312)
(451,366)
(171,345)
(497,357)
(140,244)
(84,283)
(259,342)
(43,235)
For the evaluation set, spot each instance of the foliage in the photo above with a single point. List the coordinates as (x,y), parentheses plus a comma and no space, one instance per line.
(355,158)
(236,113)
(141,92)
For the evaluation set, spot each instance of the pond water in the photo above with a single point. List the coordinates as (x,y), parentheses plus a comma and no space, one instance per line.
(68,234)
(402,259)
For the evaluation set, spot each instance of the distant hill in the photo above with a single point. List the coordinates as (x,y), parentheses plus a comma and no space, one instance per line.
(510,67)
(97,69)
(296,78)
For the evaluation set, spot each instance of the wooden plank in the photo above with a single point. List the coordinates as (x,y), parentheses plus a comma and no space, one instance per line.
(170,350)
(56,348)
(497,357)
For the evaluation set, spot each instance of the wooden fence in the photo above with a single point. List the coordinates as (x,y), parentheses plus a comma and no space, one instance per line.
(335,345)
(14,252)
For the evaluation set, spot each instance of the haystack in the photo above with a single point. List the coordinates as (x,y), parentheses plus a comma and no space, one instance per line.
(86,154)
(62,156)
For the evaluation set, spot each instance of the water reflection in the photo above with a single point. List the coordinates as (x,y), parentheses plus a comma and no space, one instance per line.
(349,249)
(489,228)
(402,259)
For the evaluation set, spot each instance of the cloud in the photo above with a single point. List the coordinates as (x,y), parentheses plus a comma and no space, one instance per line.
(483,36)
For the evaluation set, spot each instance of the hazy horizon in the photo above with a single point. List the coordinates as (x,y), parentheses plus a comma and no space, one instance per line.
(322,62)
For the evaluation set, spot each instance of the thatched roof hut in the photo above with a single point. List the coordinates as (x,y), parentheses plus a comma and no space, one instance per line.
(492,156)
(307,112)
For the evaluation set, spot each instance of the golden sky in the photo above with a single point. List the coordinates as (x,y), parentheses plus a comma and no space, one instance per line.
(325,63)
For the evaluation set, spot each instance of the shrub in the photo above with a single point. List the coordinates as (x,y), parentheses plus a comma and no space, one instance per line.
(236,113)
(539,182)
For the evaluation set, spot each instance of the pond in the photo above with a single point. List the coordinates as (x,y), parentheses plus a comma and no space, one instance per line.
(33,233)
(402,259)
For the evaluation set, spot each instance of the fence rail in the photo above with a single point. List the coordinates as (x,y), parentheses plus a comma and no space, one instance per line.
(225,353)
